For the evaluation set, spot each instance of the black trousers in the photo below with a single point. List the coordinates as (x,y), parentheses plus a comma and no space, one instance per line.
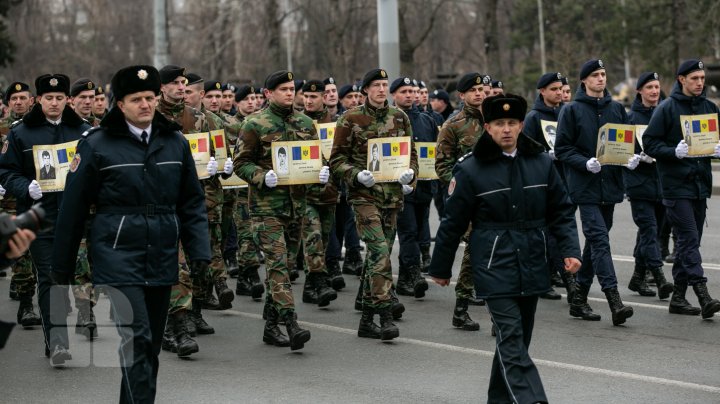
(140,313)
(514,377)
(647,215)
(687,217)
(51,299)
(411,224)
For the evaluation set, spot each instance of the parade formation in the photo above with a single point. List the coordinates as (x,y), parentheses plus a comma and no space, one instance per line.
(168,185)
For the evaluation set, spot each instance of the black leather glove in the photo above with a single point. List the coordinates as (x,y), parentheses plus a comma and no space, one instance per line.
(60,278)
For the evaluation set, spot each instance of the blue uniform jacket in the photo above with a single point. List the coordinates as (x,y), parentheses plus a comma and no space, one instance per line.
(643,182)
(540,111)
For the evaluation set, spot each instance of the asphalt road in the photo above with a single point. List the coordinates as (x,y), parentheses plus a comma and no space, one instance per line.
(656,357)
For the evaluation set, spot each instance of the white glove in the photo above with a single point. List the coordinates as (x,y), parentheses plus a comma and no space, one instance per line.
(2,191)
(228,168)
(681,150)
(633,161)
(212,166)
(34,190)
(717,151)
(593,165)
(407,189)
(271,179)
(324,174)
(366,178)
(551,153)
(406,177)
(646,159)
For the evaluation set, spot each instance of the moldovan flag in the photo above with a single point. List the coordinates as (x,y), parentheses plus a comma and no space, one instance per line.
(704,125)
(65,155)
(395,149)
(198,145)
(306,152)
(327,133)
(427,152)
(617,135)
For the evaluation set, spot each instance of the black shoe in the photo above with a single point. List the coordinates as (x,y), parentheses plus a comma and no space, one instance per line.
(59,355)
(419,283)
(195,315)
(388,329)
(256,287)
(184,344)
(556,280)
(353,262)
(85,324)
(325,294)
(678,303)
(637,282)
(620,312)
(663,286)
(396,308)
(337,281)
(551,295)
(231,264)
(570,285)
(272,335)
(670,258)
(211,302)
(709,306)
(368,328)
(294,274)
(26,315)
(225,295)
(461,318)
(404,285)
(243,286)
(298,336)
(580,307)
(425,256)
(168,340)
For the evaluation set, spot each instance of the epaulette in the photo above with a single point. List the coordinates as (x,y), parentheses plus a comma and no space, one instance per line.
(460,160)
(90,131)
(16,123)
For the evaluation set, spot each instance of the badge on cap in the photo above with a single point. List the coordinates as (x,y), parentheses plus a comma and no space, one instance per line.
(382,73)
(289,76)
(312,87)
(355,88)
(478,80)
(90,85)
(232,88)
(700,65)
(486,80)
(331,80)
(600,63)
(435,92)
(655,76)
(53,82)
(218,85)
(406,81)
(500,84)
(506,107)
(559,76)
(142,74)
(100,90)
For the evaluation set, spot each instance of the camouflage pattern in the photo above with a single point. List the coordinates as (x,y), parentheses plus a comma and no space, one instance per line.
(83,287)
(323,194)
(181,294)
(24,276)
(457,138)
(376,227)
(7,122)
(247,252)
(230,199)
(318,221)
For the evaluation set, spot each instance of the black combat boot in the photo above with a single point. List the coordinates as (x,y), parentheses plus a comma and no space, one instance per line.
(425,255)
(551,295)
(368,328)
(190,324)
(298,336)
(195,315)
(570,285)
(210,302)
(419,283)
(168,341)
(256,287)
(678,303)
(26,315)
(337,281)
(396,308)
(13,290)
(556,280)
(231,264)
(637,282)
(664,287)
(620,312)
(243,286)
(461,318)
(580,307)
(184,344)
(353,262)
(225,295)
(325,294)
(709,305)
(310,290)
(388,329)
(85,324)
(272,335)
(404,285)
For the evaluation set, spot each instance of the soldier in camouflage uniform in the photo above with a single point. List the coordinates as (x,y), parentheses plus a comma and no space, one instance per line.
(457,138)
(275,210)
(319,216)
(375,205)
(22,286)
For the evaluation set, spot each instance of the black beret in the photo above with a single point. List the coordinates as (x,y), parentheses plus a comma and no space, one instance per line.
(298,84)
(260,91)
(590,66)
(372,75)
(690,66)
(80,85)
(646,78)
(192,78)
(549,78)
(501,106)
(313,86)
(51,83)
(171,72)
(564,81)
(401,82)
(243,91)
(329,80)
(277,78)
(16,87)
(99,90)
(134,79)
(347,89)
(440,94)
(421,84)
(497,84)
(212,85)
(470,80)
(228,87)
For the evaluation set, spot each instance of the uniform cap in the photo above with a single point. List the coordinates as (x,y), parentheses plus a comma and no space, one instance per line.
(690,66)
(279,77)
(80,85)
(170,72)
(372,75)
(243,91)
(549,78)
(212,85)
(508,106)
(591,66)
(401,82)
(52,83)
(134,79)
(646,78)
(313,86)
(15,87)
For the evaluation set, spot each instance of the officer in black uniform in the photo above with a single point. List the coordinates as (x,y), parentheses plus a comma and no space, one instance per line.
(510,191)
(51,121)
(138,170)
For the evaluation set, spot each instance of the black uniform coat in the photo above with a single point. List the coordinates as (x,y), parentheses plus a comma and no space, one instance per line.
(424,130)
(576,143)
(688,178)
(147,197)
(512,203)
(17,162)
(532,127)
(643,182)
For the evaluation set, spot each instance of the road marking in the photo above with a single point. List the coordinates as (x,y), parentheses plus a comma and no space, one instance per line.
(489,354)
(705,265)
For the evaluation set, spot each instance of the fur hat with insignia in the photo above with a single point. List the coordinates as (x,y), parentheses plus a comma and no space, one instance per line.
(243,91)
(646,78)
(507,106)
(277,78)
(690,66)
(80,85)
(212,85)
(401,82)
(52,83)
(170,72)
(16,87)
(134,79)
(372,75)
(313,86)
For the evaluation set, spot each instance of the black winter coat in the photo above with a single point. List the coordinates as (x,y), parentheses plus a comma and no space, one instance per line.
(643,182)
(539,112)
(690,177)
(576,143)
(511,203)
(424,130)
(148,198)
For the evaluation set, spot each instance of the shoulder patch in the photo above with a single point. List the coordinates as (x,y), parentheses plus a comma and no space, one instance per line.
(16,123)
(460,160)
(90,131)
(4,147)
(75,162)
(451,187)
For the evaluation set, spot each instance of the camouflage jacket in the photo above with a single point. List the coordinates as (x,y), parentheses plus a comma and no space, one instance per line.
(319,194)
(6,123)
(253,159)
(349,153)
(8,202)
(457,138)
(232,127)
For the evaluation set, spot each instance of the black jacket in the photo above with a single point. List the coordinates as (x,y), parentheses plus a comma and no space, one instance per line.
(576,142)
(539,112)
(511,203)
(17,163)
(690,177)
(643,182)
(148,198)
(424,130)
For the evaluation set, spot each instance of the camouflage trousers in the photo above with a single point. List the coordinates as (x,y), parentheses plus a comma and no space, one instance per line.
(465,288)
(23,276)
(318,221)
(83,287)
(247,249)
(377,227)
(214,213)
(181,294)
(277,237)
